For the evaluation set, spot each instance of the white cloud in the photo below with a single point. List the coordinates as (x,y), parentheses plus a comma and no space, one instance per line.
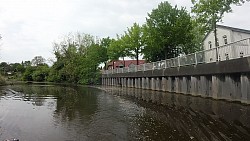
(29,27)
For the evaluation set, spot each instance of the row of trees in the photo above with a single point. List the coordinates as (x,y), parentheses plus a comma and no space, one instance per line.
(168,32)
(78,57)
(35,70)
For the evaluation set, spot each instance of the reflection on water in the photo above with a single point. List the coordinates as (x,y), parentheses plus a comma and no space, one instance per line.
(180,117)
(36,112)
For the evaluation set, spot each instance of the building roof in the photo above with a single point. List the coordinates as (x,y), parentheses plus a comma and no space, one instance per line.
(231,28)
(118,63)
(235,29)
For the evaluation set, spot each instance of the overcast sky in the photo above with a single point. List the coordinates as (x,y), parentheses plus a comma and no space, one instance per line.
(28,27)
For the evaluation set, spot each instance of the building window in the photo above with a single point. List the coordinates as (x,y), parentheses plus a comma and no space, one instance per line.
(210,44)
(225,39)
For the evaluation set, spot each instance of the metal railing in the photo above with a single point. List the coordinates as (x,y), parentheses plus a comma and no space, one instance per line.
(230,51)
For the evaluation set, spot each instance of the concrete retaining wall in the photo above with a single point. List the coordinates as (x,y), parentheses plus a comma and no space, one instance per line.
(229,80)
(232,87)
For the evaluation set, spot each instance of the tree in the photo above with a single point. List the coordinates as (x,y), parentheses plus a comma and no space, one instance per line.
(210,12)
(38,60)
(4,67)
(26,63)
(105,43)
(117,49)
(167,33)
(199,34)
(134,40)
(77,59)
(27,76)
(40,73)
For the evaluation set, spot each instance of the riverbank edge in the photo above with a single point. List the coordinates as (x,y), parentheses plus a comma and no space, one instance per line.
(14,82)
(114,88)
(110,89)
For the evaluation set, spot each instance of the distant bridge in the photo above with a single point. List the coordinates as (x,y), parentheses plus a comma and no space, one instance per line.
(220,73)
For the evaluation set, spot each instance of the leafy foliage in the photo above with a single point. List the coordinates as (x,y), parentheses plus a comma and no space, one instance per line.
(210,12)
(27,76)
(105,43)
(78,57)
(134,41)
(41,73)
(167,33)
(117,49)
(38,60)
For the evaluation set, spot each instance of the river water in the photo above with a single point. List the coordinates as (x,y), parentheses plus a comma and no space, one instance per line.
(59,113)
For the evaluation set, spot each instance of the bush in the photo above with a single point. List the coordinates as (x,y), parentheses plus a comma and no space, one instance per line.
(27,76)
(2,80)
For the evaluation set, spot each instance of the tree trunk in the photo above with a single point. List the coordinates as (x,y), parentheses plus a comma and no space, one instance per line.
(123,62)
(215,35)
(216,40)
(137,56)
(165,55)
(105,66)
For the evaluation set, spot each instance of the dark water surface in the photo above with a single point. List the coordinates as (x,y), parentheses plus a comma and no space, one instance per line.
(57,113)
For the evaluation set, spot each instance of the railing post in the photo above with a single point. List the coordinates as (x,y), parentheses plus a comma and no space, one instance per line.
(128,69)
(144,66)
(248,48)
(179,64)
(249,42)
(195,56)
(165,61)
(217,55)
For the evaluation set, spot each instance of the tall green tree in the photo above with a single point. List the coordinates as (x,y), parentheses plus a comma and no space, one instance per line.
(104,44)
(167,33)
(4,67)
(27,76)
(118,48)
(210,12)
(77,59)
(26,63)
(40,73)
(38,60)
(134,40)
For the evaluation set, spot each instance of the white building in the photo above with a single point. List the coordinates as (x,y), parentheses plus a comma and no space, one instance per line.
(232,43)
